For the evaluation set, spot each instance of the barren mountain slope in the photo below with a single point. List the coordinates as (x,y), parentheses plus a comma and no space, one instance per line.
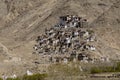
(107,27)
(21,21)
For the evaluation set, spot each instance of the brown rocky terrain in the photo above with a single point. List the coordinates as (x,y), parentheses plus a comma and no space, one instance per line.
(21,21)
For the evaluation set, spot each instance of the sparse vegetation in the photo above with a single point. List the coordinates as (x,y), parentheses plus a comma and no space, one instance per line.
(63,70)
(69,71)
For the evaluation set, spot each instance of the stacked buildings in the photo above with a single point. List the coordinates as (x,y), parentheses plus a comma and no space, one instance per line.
(68,40)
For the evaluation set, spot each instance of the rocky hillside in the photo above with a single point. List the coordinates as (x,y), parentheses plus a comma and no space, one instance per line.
(21,21)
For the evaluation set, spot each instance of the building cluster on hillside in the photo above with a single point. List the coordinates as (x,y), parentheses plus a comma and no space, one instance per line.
(68,39)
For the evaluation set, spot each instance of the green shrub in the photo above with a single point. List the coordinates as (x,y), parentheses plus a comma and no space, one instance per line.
(95,70)
(1,79)
(13,79)
(35,77)
(117,68)
(114,68)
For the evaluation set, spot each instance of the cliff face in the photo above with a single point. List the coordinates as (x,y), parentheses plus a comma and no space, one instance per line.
(21,21)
